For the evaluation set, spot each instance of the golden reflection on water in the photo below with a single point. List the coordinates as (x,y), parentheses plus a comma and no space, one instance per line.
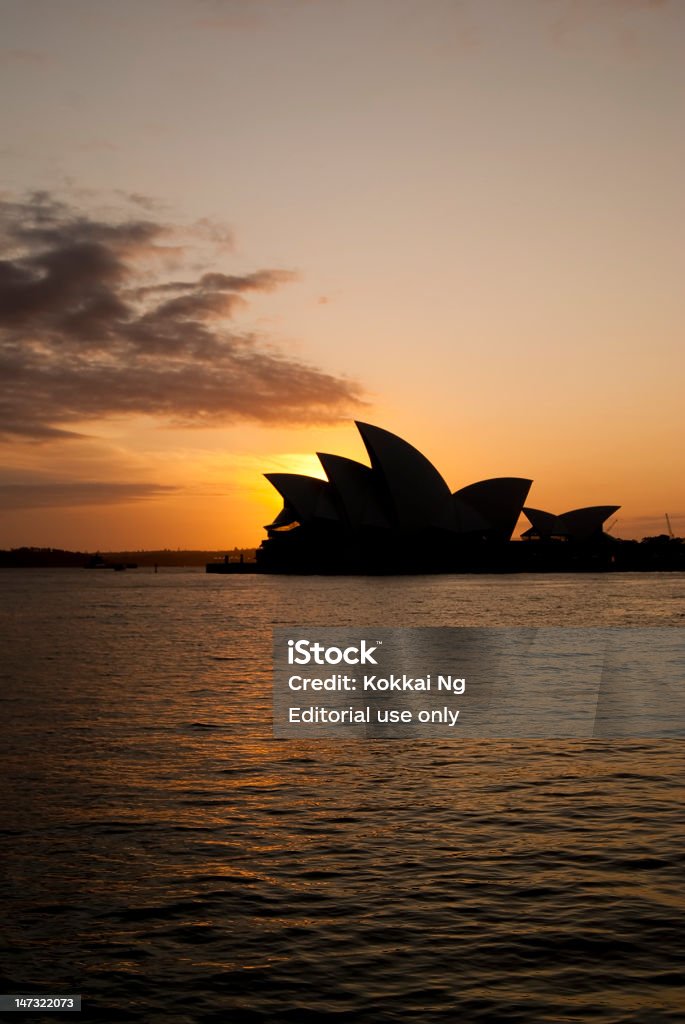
(159,837)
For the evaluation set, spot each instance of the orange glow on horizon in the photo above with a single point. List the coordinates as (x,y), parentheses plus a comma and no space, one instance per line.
(473,241)
(219,500)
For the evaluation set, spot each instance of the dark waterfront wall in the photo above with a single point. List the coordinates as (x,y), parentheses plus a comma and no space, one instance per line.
(321,549)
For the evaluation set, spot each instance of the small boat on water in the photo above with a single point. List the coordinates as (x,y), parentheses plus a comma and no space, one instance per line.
(98,562)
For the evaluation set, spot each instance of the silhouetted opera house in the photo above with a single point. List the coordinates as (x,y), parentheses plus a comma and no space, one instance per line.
(398,515)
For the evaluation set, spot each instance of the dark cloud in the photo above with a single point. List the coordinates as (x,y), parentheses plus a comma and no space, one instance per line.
(261,281)
(147,203)
(76,495)
(85,333)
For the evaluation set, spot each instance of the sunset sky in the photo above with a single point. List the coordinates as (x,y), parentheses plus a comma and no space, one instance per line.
(231,227)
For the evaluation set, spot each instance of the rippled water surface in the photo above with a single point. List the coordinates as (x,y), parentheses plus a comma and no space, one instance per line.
(163,855)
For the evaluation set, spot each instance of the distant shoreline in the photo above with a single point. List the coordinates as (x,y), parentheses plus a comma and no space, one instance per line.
(47,558)
(652,554)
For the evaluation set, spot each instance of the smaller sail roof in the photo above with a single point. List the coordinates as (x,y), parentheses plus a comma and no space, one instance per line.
(542,523)
(499,501)
(578,523)
(307,496)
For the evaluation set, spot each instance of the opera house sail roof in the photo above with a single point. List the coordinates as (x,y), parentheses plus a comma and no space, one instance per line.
(578,524)
(414,490)
(397,514)
(395,510)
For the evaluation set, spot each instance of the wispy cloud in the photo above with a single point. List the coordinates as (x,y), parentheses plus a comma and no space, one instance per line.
(88,332)
(76,495)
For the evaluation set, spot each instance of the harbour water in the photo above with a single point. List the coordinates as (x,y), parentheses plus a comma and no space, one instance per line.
(167,858)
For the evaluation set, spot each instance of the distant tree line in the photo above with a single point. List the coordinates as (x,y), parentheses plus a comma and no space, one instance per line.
(46,558)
